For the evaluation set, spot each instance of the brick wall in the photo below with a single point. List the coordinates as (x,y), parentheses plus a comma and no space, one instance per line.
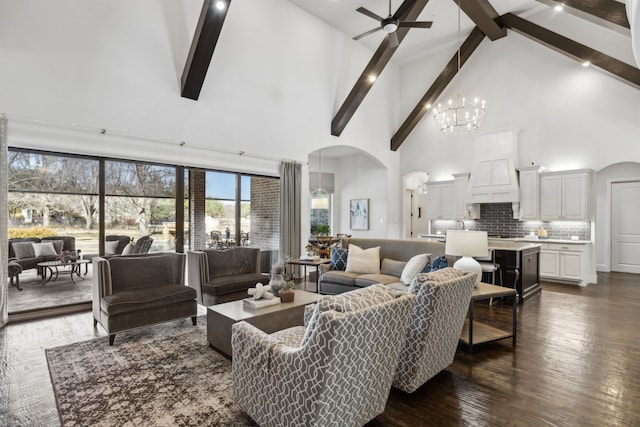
(265,220)
(197,228)
(265,213)
(497,220)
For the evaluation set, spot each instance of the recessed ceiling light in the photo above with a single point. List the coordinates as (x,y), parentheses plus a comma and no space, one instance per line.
(586,63)
(220,5)
(427,106)
(372,78)
(559,7)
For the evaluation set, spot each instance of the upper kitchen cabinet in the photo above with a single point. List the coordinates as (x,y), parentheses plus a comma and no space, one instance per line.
(441,200)
(565,195)
(463,208)
(529,192)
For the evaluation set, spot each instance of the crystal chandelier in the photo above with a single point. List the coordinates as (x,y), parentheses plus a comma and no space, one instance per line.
(459,115)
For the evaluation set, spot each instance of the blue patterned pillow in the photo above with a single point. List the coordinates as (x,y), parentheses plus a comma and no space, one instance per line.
(339,259)
(437,264)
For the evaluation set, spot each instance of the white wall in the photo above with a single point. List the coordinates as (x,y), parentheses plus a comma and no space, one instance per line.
(568,116)
(71,68)
(272,90)
(604,179)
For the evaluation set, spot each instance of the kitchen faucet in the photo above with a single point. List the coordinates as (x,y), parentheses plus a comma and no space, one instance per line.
(461,222)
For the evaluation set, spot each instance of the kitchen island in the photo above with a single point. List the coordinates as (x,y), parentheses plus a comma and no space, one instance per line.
(519,262)
(520,265)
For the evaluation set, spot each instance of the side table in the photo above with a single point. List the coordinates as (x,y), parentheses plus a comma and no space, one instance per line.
(311,263)
(476,332)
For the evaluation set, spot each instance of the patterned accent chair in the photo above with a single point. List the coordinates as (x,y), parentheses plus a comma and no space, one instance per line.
(442,301)
(335,371)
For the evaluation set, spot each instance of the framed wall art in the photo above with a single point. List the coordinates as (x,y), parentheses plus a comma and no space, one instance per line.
(359,214)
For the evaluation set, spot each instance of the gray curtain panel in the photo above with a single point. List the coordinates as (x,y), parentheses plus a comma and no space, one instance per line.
(290,194)
(4,231)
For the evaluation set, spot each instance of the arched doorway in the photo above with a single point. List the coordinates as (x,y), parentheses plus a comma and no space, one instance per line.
(414,204)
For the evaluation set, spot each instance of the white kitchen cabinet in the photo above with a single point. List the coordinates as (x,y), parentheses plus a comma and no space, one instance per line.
(565,196)
(549,264)
(528,193)
(464,210)
(563,262)
(441,200)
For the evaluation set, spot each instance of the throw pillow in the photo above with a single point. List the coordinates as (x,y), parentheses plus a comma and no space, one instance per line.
(44,249)
(413,267)
(436,264)
(23,250)
(392,267)
(338,259)
(110,247)
(128,250)
(363,261)
(58,245)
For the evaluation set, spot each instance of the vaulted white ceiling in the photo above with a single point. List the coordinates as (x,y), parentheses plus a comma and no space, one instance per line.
(342,15)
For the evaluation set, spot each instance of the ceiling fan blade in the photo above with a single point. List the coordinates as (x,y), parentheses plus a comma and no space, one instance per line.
(369,13)
(416,24)
(365,34)
(393,40)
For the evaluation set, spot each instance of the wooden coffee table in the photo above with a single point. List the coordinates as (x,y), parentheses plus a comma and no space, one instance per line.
(270,319)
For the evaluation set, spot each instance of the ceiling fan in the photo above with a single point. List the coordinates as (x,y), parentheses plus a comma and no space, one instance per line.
(390,24)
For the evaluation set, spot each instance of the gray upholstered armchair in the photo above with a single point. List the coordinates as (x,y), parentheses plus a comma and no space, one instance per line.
(442,301)
(224,275)
(130,292)
(336,371)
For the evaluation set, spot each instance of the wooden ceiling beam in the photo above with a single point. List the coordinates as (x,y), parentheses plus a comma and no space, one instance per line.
(450,70)
(573,49)
(609,13)
(484,16)
(202,47)
(409,10)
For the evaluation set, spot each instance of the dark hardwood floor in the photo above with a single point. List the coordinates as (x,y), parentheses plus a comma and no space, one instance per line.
(576,363)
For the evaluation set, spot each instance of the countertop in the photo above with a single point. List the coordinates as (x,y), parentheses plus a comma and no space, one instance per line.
(515,244)
(498,244)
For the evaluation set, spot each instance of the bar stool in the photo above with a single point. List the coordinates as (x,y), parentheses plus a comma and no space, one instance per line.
(489,265)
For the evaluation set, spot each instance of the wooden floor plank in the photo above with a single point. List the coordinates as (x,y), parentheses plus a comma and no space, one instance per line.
(576,362)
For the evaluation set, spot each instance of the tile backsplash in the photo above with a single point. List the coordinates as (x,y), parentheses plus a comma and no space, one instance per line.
(497,220)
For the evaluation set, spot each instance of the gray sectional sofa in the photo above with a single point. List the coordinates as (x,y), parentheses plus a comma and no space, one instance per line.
(393,256)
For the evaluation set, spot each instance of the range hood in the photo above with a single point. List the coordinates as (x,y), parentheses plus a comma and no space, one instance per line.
(493,173)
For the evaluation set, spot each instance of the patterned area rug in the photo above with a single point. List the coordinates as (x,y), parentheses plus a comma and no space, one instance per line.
(164,375)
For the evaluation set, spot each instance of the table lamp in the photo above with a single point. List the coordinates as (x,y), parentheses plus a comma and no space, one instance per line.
(467,244)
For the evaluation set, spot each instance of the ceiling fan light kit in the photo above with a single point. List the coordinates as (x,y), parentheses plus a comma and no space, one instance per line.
(459,116)
(390,25)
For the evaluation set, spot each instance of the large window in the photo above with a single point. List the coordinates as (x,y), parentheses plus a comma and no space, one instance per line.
(141,200)
(53,195)
(60,195)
